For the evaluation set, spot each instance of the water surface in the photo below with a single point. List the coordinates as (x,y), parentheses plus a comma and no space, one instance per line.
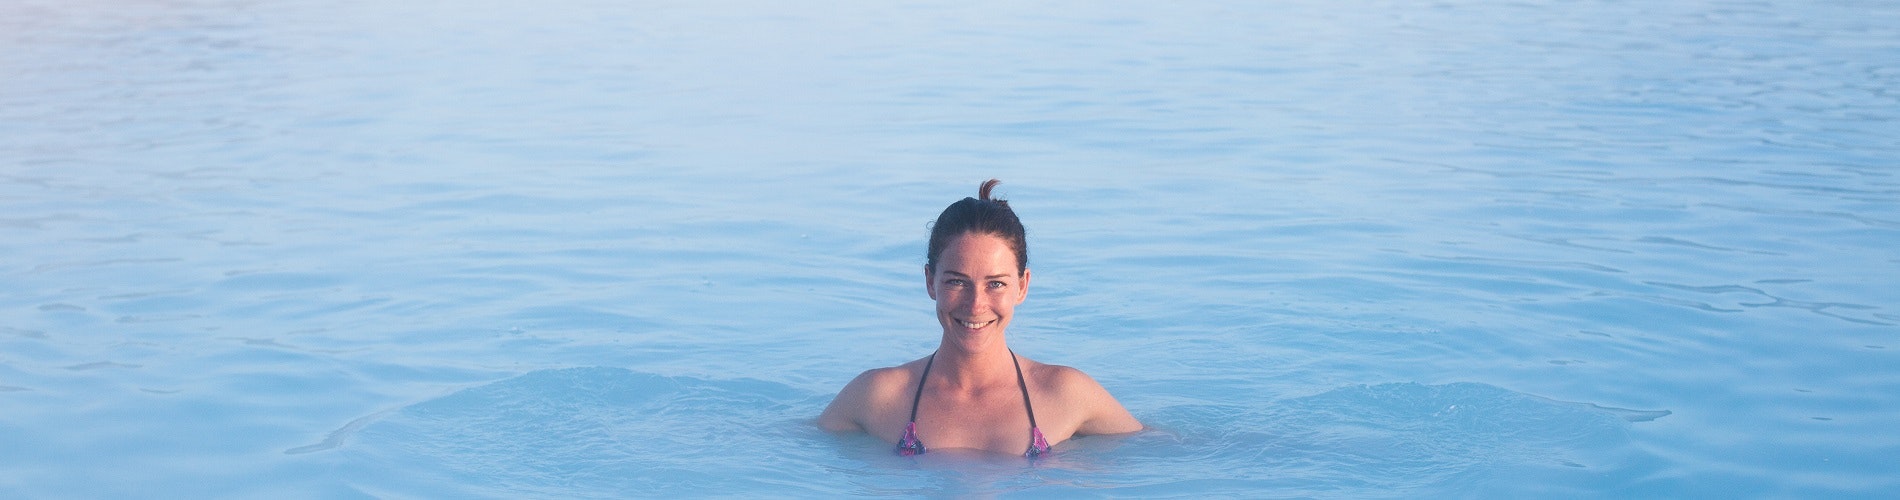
(610,249)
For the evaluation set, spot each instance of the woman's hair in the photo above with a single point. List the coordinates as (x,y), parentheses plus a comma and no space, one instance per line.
(980,215)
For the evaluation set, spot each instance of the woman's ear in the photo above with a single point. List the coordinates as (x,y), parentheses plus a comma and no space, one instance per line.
(1024,287)
(930,283)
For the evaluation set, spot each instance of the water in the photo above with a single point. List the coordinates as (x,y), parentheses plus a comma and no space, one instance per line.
(609,249)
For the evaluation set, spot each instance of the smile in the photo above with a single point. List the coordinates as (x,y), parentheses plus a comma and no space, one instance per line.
(973,326)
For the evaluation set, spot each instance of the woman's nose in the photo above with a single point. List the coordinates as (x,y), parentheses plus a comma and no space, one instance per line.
(970,302)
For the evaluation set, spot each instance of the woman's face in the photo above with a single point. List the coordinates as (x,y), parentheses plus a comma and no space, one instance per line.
(976,288)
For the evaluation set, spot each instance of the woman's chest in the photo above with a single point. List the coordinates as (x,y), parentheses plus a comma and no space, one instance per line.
(995,424)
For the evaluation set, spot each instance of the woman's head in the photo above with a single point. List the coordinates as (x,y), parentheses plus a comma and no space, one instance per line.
(980,215)
(977,270)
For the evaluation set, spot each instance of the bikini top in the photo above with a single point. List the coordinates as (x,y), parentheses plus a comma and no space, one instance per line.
(910,445)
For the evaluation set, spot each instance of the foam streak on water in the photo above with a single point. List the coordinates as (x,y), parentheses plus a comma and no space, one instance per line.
(610,249)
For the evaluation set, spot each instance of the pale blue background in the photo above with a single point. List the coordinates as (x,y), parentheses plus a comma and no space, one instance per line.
(608,249)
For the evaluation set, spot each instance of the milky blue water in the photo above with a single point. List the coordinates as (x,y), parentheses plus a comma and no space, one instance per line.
(627,249)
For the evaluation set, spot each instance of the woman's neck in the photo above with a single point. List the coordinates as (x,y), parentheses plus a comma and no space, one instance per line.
(967,369)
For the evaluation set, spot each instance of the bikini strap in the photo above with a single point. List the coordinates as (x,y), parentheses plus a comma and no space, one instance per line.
(1037,445)
(1020,384)
(914,400)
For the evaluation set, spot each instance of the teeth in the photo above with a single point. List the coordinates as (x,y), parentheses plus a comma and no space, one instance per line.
(974,326)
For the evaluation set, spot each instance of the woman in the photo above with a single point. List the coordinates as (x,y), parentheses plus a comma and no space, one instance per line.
(974,392)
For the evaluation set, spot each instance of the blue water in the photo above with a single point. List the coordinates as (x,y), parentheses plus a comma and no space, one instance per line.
(610,249)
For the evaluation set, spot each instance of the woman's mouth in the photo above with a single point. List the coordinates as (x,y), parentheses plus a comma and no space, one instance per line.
(975,325)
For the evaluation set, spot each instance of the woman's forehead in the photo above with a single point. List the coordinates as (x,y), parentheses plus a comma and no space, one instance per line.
(976,251)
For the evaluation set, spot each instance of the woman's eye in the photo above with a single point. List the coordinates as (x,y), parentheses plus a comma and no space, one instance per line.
(997,284)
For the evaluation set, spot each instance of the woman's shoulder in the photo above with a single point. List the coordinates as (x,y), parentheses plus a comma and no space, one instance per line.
(1092,408)
(1061,380)
(882,383)
(884,378)
(873,392)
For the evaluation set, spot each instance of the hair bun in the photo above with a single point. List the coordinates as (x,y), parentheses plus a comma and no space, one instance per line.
(983,192)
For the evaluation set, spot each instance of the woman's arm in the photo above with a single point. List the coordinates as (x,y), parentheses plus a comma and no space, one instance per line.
(1102,414)
(842,415)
